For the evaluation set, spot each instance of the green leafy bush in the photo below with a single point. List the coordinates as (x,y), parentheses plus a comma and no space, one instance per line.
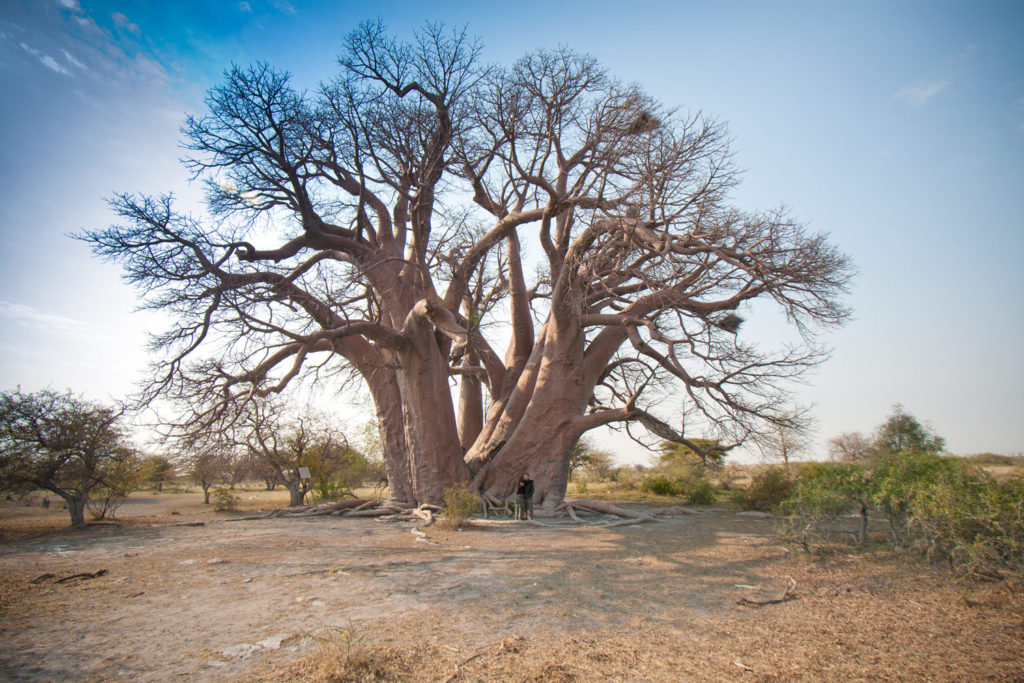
(767,489)
(689,481)
(659,485)
(942,507)
(224,500)
(700,491)
(326,488)
(825,497)
(460,502)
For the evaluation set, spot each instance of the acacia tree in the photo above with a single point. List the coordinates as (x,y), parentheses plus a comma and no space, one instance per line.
(374,226)
(902,432)
(284,443)
(850,447)
(62,443)
(209,462)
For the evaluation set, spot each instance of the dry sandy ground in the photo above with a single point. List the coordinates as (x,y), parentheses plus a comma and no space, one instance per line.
(287,598)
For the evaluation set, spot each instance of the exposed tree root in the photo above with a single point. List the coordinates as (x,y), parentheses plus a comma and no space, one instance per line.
(425,515)
(355,507)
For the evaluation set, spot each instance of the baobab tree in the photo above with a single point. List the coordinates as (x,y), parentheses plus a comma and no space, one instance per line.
(376,225)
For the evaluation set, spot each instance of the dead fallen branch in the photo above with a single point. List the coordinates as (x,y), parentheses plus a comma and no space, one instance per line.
(606,508)
(625,522)
(790,594)
(84,576)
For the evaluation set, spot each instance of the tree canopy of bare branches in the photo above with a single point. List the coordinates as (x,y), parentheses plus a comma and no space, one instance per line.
(373,228)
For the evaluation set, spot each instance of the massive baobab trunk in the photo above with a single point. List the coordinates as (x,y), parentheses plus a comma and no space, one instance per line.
(539,427)
(431,436)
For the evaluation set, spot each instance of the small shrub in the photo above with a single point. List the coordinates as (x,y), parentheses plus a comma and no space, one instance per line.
(823,500)
(659,485)
(693,483)
(224,500)
(581,486)
(345,655)
(767,489)
(459,503)
(628,478)
(700,492)
(325,489)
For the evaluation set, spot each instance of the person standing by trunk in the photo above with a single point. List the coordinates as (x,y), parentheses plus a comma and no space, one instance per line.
(524,498)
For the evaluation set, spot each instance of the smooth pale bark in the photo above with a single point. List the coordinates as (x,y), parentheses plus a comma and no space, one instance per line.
(387,400)
(471,411)
(381,379)
(541,442)
(431,437)
(506,411)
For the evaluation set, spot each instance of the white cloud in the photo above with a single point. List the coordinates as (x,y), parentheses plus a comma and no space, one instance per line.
(922,92)
(30,317)
(121,21)
(70,4)
(284,6)
(244,6)
(46,60)
(73,61)
(51,63)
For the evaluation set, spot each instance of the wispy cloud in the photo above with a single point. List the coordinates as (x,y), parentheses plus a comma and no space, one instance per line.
(46,60)
(283,6)
(922,92)
(244,6)
(70,4)
(31,317)
(73,61)
(121,21)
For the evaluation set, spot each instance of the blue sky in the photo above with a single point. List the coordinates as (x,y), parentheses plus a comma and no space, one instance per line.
(898,127)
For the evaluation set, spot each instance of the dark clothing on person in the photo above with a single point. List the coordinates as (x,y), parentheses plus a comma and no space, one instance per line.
(524,499)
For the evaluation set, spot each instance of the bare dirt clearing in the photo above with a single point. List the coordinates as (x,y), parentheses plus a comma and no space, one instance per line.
(656,601)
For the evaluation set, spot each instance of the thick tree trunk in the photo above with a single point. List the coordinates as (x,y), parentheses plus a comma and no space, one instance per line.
(76,506)
(506,412)
(542,440)
(542,448)
(387,399)
(296,492)
(431,436)
(471,407)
